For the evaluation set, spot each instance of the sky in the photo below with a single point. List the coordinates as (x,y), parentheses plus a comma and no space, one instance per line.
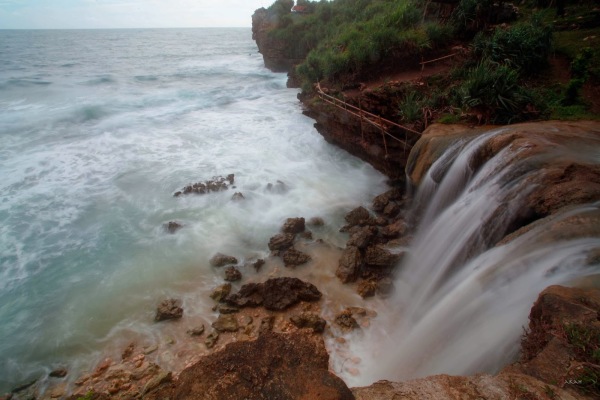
(77,14)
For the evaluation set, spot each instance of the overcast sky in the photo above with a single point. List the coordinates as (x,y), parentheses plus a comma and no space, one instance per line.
(69,14)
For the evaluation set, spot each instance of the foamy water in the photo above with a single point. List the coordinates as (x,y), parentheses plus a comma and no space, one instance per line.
(98,129)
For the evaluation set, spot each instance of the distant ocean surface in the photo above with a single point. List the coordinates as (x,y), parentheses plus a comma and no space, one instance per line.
(98,129)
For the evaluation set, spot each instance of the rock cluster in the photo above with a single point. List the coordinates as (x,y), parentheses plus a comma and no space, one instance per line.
(169,309)
(216,184)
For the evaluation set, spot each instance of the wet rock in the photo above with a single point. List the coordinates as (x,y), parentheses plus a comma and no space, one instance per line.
(367,288)
(380,202)
(293,225)
(220,260)
(278,188)
(346,321)
(357,216)
(349,265)
(363,237)
(309,320)
(232,274)
(293,258)
(169,309)
(385,287)
(281,241)
(60,372)
(196,331)
(316,221)
(238,196)
(275,294)
(257,265)
(211,339)
(221,292)
(306,235)
(172,226)
(226,323)
(391,210)
(216,184)
(274,366)
(379,256)
(395,229)
(266,324)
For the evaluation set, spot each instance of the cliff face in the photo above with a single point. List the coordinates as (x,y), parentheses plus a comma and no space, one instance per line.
(274,51)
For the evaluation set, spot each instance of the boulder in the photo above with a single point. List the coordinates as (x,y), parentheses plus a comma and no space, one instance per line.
(357,216)
(274,366)
(380,202)
(293,225)
(196,331)
(309,320)
(275,294)
(211,339)
(395,229)
(257,265)
(226,323)
(281,241)
(366,288)
(232,274)
(266,324)
(221,292)
(379,256)
(169,309)
(349,265)
(363,237)
(220,260)
(391,210)
(60,372)
(292,258)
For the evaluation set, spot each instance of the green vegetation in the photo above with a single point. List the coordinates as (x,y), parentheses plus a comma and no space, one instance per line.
(501,79)
(585,342)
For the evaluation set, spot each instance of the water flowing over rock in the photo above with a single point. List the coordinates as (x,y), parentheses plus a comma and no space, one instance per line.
(172,226)
(232,274)
(293,258)
(503,214)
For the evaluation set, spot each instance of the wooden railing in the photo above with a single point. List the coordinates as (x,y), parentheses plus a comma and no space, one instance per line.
(377,121)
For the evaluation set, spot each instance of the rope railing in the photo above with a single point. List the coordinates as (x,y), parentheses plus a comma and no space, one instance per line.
(372,119)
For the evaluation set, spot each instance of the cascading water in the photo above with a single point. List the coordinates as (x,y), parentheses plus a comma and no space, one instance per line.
(462,296)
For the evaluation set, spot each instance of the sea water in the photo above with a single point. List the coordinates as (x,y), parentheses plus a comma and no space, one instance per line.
(98,130)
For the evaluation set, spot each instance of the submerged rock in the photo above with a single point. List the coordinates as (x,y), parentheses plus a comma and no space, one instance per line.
(379,256)
(316,221)
(169,309)
(221,292)
(293,258)
(172,226)
(237,196)
(346,321)
(220,260)
(232,274)
(216,184)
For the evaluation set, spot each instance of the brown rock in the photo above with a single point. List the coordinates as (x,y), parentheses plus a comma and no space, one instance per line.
(380,202)
(266,324)
(366,288)
(309,320)
(58,373)
(379,256)
(395,229)
(293,225)
(238,196)
(274,366)
(221,292)
(385,287)
(211,339)
(292,258)
(349,265)
(232,274)
(220,260)
(169,309)
(391,210)
(197,331)
(363,237)
(257,265)
(357,216)
(281,241)
(226,323)
(128,351)
(162,378)
(346,321)
(275,294)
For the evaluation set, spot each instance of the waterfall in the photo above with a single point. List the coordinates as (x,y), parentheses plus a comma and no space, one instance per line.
(463,294)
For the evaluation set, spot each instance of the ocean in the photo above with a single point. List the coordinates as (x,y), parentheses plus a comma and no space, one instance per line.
(98,130)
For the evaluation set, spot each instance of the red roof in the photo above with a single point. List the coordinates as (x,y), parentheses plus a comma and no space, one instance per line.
(299,9)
